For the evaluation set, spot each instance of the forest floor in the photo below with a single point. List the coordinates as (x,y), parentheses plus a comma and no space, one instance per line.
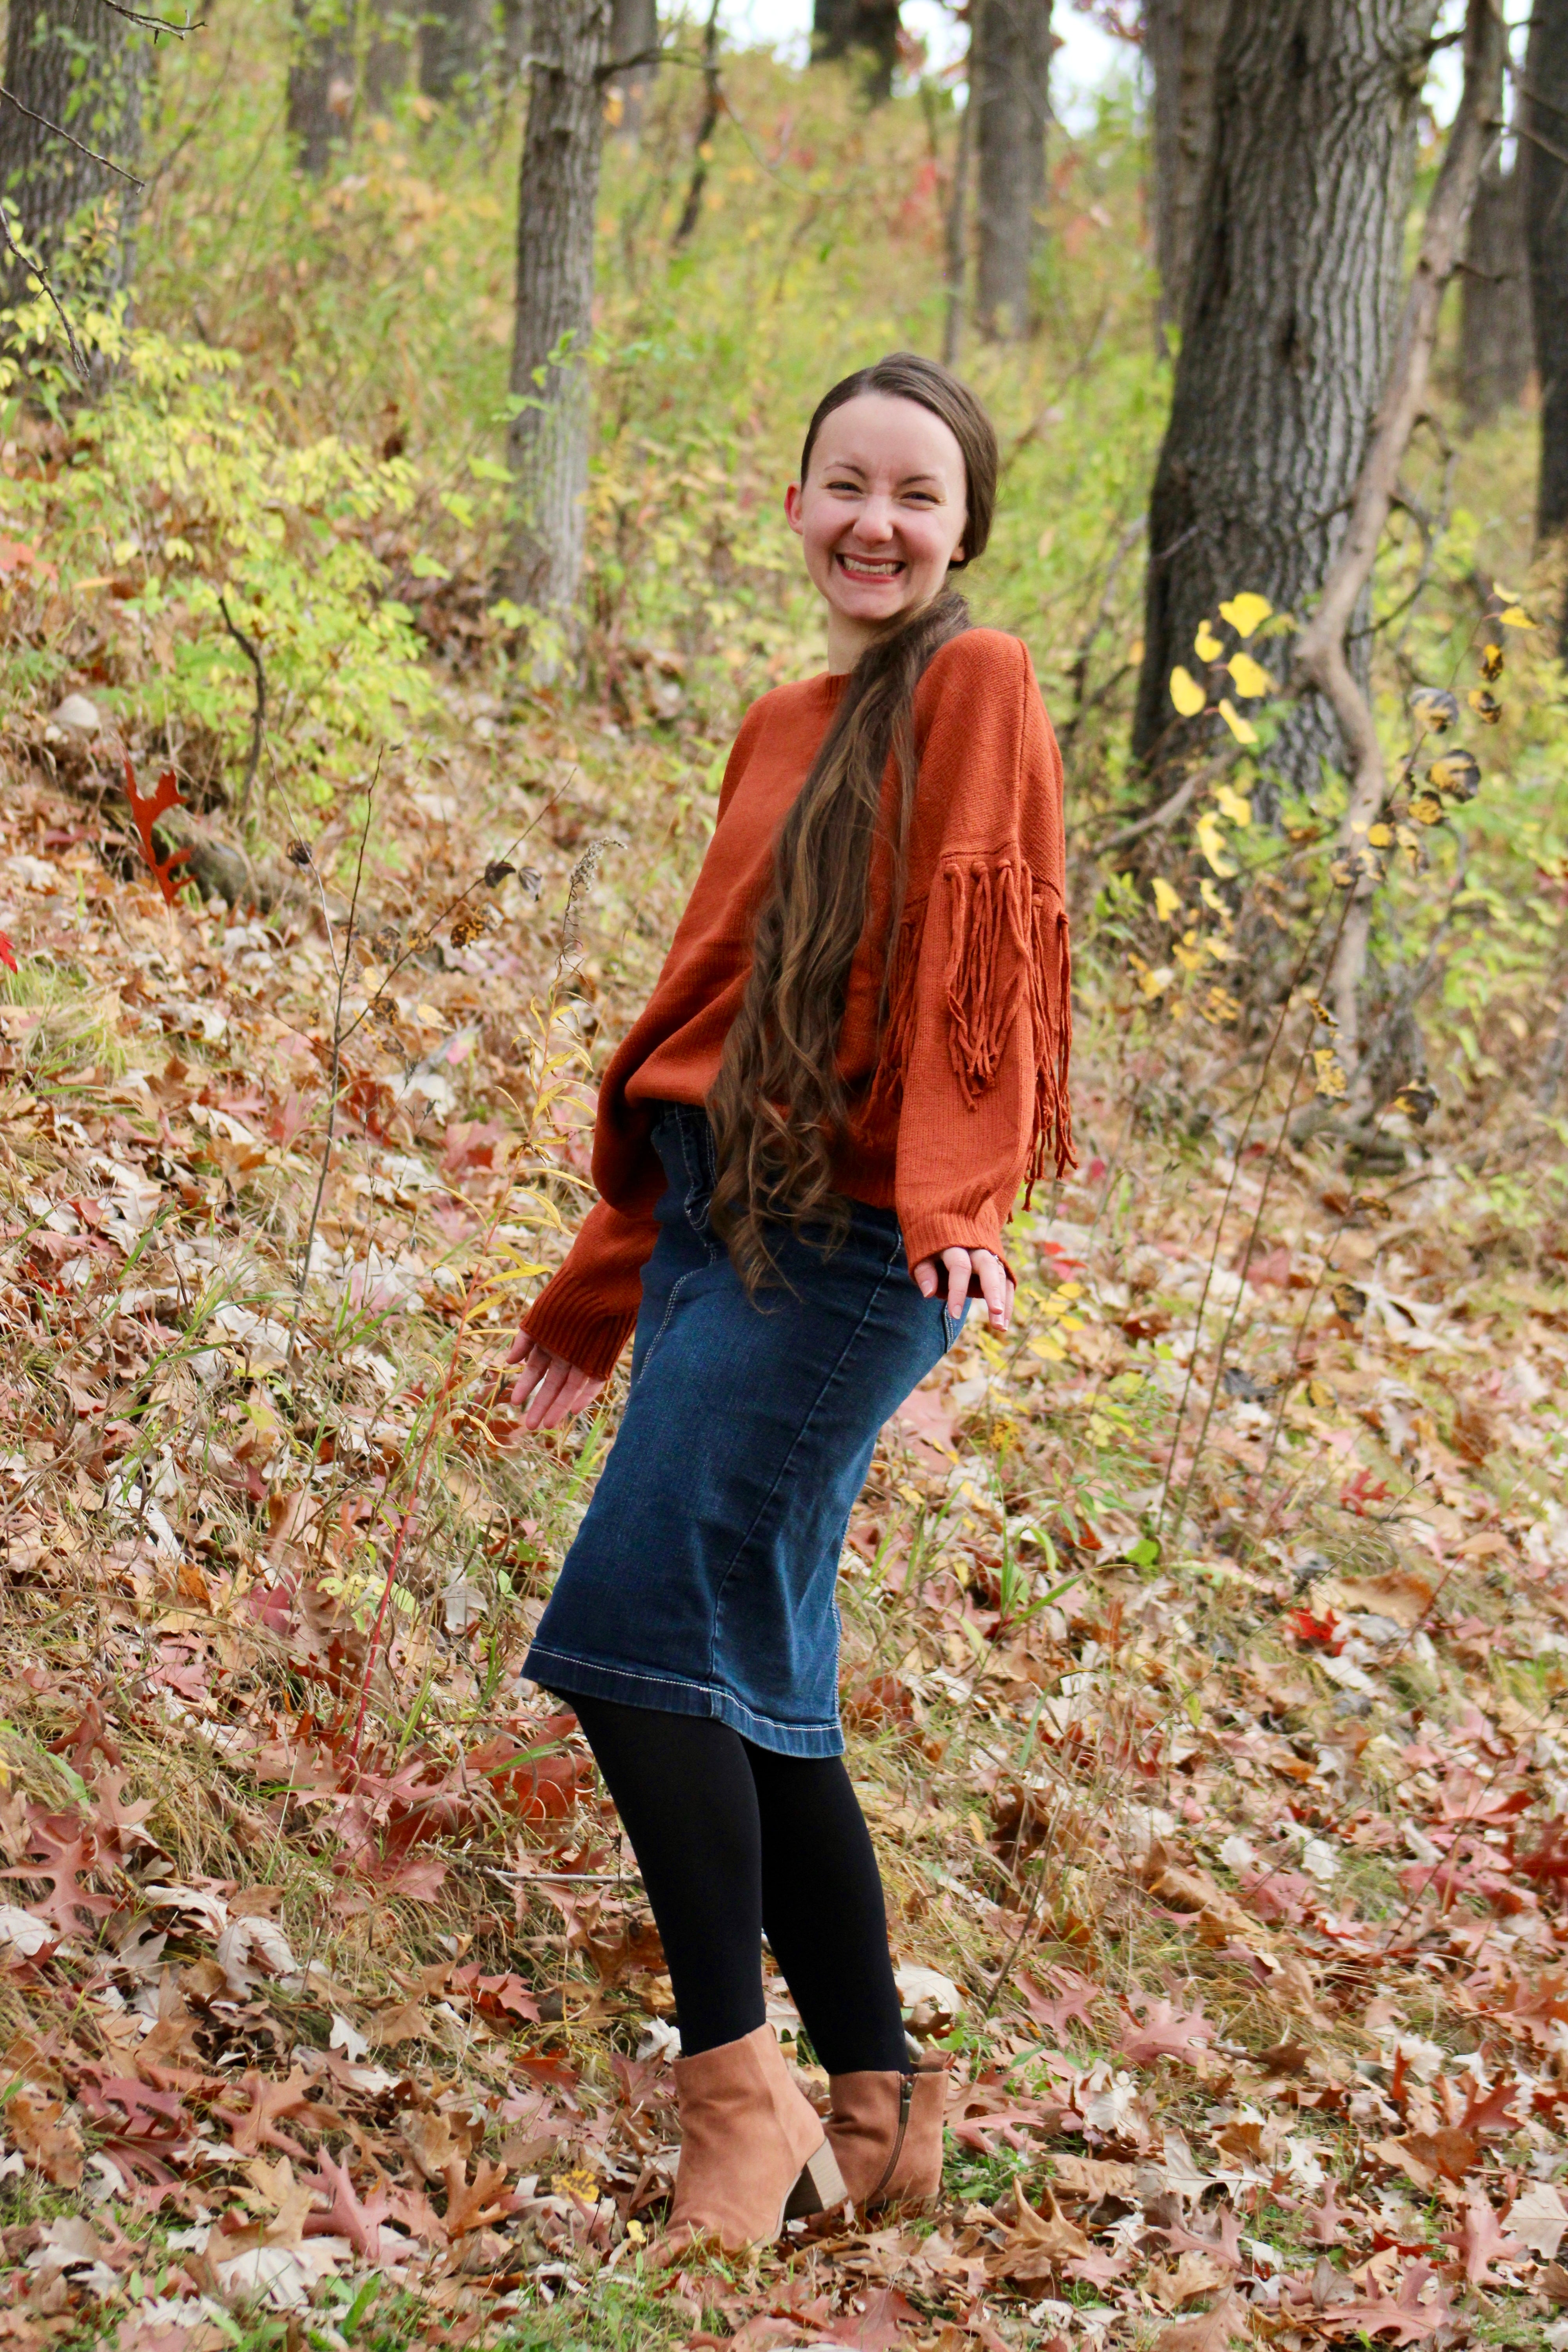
(1220,1784)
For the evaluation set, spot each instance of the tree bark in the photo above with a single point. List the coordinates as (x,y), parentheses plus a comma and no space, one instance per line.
(633,32)
(1183,39)
(1009,90)
(1543,161)
(1287,335)
(458,41)
(84,68)
(320,83)
(1495,348)
(841,28)
(547,445)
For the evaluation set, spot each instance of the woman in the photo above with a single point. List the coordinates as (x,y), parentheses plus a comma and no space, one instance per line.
(805,1149)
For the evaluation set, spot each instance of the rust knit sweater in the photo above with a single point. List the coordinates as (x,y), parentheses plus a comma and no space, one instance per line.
(965,1093)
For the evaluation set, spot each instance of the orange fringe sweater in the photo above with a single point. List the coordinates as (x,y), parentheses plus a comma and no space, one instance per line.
(963,1096)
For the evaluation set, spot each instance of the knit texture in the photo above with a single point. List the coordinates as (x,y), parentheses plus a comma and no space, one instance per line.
(959,1095)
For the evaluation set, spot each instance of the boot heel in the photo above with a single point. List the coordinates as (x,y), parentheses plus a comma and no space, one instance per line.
(819,2187)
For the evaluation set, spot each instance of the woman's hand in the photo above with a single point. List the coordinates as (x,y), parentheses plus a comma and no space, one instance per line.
(553,1390)
(952,1271)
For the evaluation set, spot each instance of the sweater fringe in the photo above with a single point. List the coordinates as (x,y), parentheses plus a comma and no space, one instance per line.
(1007,946)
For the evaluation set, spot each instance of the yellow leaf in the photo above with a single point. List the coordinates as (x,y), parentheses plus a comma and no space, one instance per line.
(1516,617)
(1211,897)
(1425,808)
(1166,900)
(1380,836)
(1250,676)
(1189,957)
(1211,842)
(1206,644)
(1244,612)
(1233,804)
(1156,983)
(1333,1084)
(1187,693)
(1048,1350)
(1220,949)
(1242,729)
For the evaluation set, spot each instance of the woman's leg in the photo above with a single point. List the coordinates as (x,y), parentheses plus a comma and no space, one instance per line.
(683,1787)
(823,1912)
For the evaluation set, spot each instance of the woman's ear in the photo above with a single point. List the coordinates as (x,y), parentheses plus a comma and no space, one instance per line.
(792,507)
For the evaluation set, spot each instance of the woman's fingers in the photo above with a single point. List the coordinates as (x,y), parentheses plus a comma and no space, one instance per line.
(522,1346)
(994,1288)
(927,1280)
(960,1266)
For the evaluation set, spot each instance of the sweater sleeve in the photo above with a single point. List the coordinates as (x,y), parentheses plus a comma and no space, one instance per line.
(588,1311)
(980,1025)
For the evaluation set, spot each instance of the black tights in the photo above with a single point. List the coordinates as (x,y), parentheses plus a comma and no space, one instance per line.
(733,1842)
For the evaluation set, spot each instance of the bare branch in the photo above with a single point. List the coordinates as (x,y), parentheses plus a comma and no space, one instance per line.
(155,23)
(107,161)
(31,262)
(252,652)
(1321,661)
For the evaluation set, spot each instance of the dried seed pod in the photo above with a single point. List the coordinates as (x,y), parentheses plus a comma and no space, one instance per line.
(1491,663)
(467,928)
(1350,1300)
(299,853)
(1417,1100)
(1456,775)
(495,872)
(1435,709)
(1487,707)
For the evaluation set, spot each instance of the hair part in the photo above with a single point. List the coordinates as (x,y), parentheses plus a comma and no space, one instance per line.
(778,1107)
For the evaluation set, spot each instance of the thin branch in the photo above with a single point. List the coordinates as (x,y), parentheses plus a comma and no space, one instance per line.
(59,132)
(712,106)
(154,24)
(252,652)
(29,262)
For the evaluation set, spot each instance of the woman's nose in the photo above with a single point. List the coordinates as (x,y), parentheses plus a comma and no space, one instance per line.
(875,520)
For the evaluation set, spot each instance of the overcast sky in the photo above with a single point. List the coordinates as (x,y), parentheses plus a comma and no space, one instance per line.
(1086,59)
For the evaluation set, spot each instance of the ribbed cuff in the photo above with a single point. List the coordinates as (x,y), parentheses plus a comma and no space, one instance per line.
(573,1325)
(929,1236)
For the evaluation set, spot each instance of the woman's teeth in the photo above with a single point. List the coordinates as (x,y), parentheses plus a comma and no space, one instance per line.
(860,569)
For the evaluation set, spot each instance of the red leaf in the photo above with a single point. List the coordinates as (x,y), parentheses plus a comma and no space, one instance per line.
(876,2327)
(61,1850)
(7,953)
(1480,2240)
(1075,2004)
(144,814)
(1165,2032)
(1406,2318)
(345,2216)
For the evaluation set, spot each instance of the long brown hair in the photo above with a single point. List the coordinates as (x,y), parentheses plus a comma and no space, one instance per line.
(778,1104)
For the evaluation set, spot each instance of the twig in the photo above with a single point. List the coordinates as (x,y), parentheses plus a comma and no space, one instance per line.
(1322,660)
(60,133)
(28,261)
(343,971)
(712,106)
(252,652)
(953,324)
(154,24)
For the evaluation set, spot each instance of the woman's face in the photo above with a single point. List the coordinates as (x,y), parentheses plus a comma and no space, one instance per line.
(880,515)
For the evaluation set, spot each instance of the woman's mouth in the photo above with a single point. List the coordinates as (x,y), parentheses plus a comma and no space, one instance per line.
(869,567)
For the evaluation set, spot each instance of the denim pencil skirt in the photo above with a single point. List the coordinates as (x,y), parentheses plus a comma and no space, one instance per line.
(703,1578)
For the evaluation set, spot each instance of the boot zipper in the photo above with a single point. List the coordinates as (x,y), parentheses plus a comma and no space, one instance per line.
(906,2097)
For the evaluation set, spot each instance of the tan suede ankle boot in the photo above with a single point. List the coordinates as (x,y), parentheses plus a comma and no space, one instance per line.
(886,2131)
(752,2148)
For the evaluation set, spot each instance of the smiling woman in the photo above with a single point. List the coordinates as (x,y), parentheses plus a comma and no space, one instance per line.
(806,1150)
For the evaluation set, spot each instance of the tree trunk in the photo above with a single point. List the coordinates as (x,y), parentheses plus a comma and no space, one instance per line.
(1010,93)
(1495,342)
(457,49)
(840,27)
(1183,39)
(1285,339)
(1543,159)
(321,81)
(389,44)
(85,68)
(547,446)
(634,31)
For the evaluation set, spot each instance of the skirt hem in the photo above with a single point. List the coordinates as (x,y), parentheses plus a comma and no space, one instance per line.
(560,1673)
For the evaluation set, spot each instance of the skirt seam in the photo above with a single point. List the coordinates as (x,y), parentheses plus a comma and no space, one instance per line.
(766,1506)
